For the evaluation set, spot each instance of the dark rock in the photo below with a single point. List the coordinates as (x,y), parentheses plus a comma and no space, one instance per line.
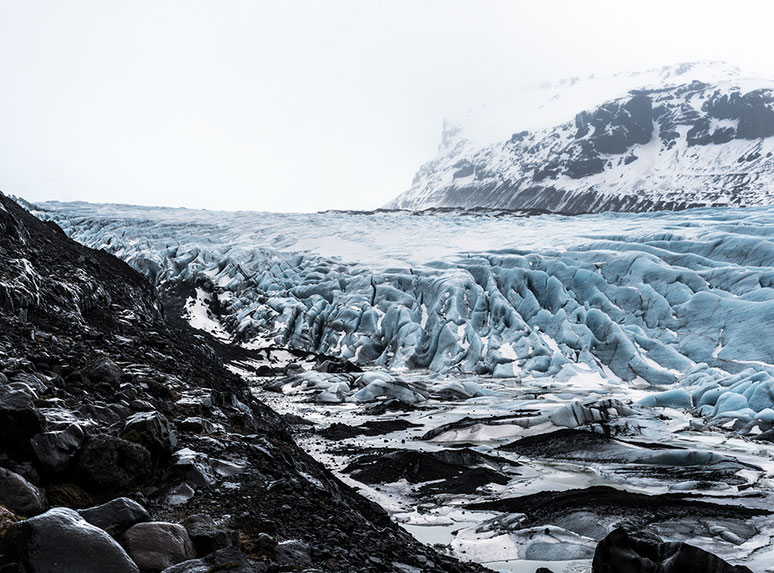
(60,541)
(292,555)
(197,425)
(116,516)
(153,431)
(643,552)
(338,431)
(723,135)
(107,463)
(19,495)
(193,467)
(103,371)
(19,421)
(448,470)
(205,535)
(30,381)
(55,450)
(157,545)
(229,559)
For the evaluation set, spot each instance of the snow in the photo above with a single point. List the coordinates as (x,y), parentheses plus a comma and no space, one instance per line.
(506,173)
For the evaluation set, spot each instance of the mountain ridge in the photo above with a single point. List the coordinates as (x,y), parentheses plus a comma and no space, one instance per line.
(673,146)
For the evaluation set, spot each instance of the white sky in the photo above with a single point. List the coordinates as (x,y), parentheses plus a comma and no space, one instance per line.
(302,106)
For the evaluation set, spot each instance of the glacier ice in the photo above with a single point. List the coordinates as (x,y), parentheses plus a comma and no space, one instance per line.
(682,302)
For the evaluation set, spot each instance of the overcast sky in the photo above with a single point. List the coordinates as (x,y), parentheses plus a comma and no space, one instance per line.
(302,106)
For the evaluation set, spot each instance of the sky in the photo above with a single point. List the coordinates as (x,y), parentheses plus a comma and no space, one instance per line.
(303,105)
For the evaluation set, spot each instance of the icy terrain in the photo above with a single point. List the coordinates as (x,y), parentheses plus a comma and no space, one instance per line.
(685,136)
(496,336)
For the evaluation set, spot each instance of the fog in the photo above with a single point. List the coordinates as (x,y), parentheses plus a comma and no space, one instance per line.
(303,106)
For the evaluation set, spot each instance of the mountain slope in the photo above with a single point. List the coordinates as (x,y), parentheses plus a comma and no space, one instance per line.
(674,146)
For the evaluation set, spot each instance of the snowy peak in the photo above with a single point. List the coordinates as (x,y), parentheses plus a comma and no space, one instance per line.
(676,144)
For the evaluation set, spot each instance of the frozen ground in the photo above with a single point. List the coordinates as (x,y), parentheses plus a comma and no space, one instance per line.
(521,356)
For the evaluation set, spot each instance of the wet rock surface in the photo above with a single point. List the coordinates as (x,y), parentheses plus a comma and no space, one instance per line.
(622,552)
(60,541)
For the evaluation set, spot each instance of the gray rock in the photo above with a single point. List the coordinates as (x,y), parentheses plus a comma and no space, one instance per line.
(19,495)
(157,545)
(153,431)
(180,494)
(230,559)
(55,450)
(60,541)
(205,534)
(193,467)
(107,463)
(115,516)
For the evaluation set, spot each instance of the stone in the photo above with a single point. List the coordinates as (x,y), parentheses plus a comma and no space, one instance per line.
(153,431)
(60,541)
(645,552)
(229,559)
(293,554)
(19,421)
(193,467)
(205,534)
(157,545)
(103,371)
(107,463)
(19,495)
(116,516)
(55,451)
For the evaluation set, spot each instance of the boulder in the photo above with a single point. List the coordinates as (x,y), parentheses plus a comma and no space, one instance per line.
(115,516)
(293,555)
(103,371)
(205,534)
(19,495)
(19,421)
(153,431)
(157,545)
(60,541)
(644,552)
(107,463)
(229,559)
(55,451)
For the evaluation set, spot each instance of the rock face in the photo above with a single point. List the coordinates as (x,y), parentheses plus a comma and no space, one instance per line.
(643,552)
(669,146)
(60,541)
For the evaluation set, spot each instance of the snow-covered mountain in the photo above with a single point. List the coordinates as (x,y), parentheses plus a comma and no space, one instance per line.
(672,138)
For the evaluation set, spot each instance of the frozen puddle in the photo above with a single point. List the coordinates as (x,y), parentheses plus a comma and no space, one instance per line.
(522,474)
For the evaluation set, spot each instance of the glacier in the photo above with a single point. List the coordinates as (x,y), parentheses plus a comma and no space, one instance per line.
(520,385)
(680,302)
